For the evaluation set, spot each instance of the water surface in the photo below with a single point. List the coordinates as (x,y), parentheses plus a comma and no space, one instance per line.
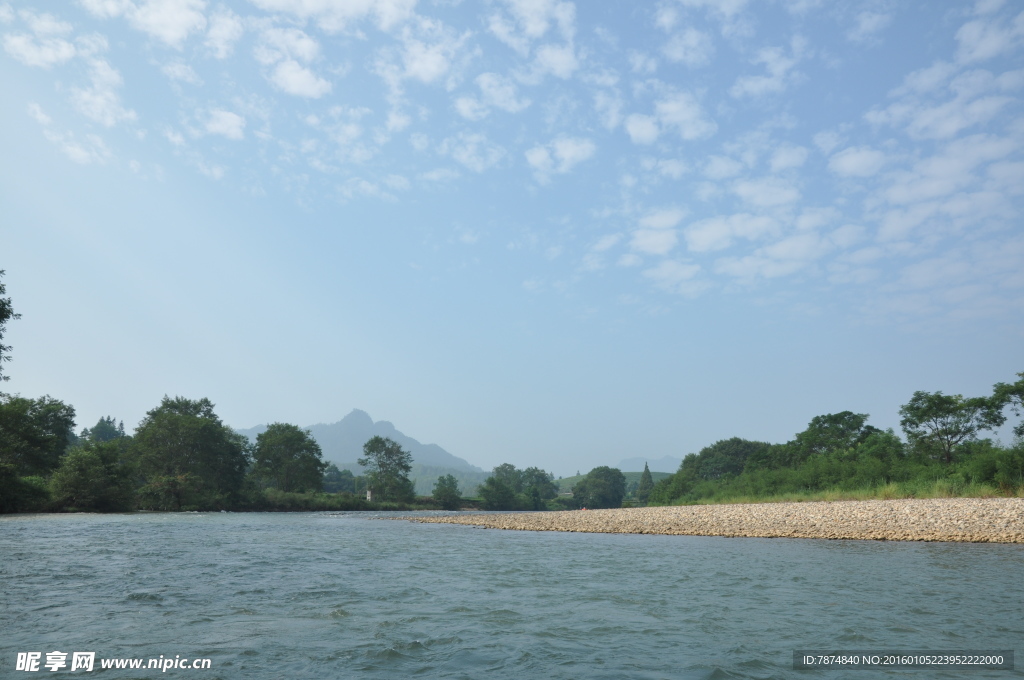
(340,595)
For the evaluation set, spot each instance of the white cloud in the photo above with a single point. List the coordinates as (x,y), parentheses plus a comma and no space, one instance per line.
(787,157)
(225,28)
(221,122)
(665,218)
(101,102)
(473,150)
(606,242)
(984,39)
(496,91)
(91,150)
(609,108)
(642,129)
(529,20)
(286,43)
(559,156)
(721,167)
(183,72)
(868,25)
(690,47)
(857,161)
(170,21)
(654,241)
(333,16)
(780,72)
(676,277)
(295,79)
(766,192)
(717,233)
(557,60)
(43,52)
(682,111)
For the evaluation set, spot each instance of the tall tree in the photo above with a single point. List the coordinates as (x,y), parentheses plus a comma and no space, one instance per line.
(94,478)
(602,487)
(1011,395)
(188,457)
(387,469)
(643,489)
(6,313)
(446,492)
(944,421)
(288,458)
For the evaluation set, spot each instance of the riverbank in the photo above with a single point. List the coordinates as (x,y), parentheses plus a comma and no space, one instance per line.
(977,520)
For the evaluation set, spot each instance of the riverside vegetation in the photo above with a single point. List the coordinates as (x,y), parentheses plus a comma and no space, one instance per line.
(182,457)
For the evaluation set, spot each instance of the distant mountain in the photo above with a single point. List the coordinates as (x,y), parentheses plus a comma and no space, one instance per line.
(342,443)
(666,464)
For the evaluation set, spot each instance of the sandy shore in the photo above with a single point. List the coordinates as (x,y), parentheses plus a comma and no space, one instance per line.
(981,520)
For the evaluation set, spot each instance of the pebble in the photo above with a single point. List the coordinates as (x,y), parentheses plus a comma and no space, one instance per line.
(968,520)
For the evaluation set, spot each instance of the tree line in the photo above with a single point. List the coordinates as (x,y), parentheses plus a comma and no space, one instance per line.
(943,454)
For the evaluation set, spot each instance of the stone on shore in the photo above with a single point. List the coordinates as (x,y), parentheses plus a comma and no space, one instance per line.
(975,520)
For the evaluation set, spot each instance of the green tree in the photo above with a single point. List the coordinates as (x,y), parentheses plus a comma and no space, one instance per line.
(387,469)
(643,489)
(536,488)
(446,492)
(1011,395)
(934,421)
(6,313)
(497,495)
(104,430)
(338,481)
(34,433)
(93,478)
(188,458)
(602,487)
(288,458)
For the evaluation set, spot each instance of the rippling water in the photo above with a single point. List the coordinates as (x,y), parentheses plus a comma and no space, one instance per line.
(339,595)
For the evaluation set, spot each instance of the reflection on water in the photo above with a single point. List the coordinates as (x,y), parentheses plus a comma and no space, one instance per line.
(311,595)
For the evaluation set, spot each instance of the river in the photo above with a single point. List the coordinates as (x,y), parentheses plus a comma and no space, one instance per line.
(343,595)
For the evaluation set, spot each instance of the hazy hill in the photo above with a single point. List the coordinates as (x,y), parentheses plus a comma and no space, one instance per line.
(342,443)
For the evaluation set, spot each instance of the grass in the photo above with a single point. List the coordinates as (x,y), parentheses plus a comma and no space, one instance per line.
(939,488)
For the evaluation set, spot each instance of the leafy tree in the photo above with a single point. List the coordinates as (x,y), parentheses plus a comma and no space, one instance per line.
(6,313)
(602,487)
(387,469)
(942,422)
(497,495)
(188,458)
(93,478)
(1011,395)
(34,433)
(446,492)
(643,489)
(536,487)
(104,430)
(288,458)
(338,481)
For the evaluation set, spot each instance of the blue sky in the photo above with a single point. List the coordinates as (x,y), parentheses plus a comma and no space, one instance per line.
(531,231)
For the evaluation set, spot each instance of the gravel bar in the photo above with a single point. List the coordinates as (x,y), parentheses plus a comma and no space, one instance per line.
(968,520)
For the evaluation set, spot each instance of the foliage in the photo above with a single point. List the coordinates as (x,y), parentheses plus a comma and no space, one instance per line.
(6,313)
(643,489)
(93,478)
(339,481)
(387,470)
(288,458)
(1011,395)
(187,458)
(936,423)
(104,430)
(34,433)
(446,492)
(510,489)
(602,487)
